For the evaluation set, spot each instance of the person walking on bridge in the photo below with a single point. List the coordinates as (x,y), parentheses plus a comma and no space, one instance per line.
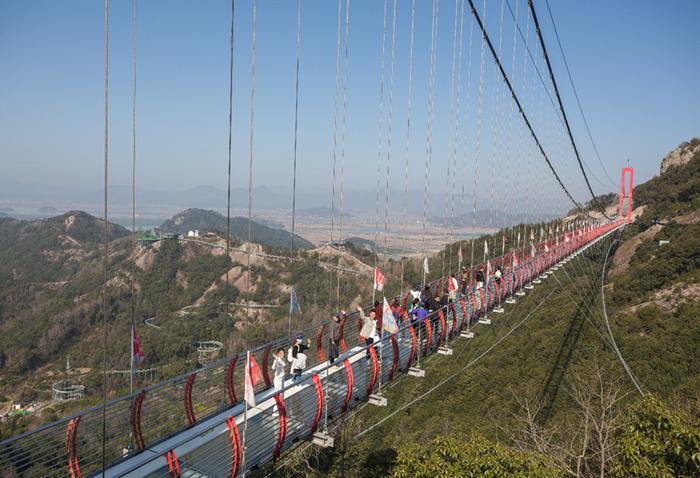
(298,357)
(334,338)
(452,287)
(426,298)
(278,366)
(379,315)
(369,327)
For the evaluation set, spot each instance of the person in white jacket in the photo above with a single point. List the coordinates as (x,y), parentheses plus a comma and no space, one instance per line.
(369,327)
(278,369)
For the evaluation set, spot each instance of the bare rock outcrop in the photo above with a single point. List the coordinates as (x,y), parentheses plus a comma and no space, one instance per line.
(681,155)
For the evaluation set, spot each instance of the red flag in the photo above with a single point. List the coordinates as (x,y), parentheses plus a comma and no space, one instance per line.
(378,279)
(137,354)
(252,377)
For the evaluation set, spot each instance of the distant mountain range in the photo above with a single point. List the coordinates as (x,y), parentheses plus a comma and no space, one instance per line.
(314,202)
(205,220)
(309,203)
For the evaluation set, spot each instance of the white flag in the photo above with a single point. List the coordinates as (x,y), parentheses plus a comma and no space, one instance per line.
(388,321)
(486,248)
(425,266)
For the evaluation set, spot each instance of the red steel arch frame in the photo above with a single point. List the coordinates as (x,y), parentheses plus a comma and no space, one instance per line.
(628,194)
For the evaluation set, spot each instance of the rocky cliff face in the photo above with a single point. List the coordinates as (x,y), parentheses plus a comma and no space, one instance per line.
(681,155)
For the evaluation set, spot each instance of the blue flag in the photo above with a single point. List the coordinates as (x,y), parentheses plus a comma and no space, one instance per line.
(294,302)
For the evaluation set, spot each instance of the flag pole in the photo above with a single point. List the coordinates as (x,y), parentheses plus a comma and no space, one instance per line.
(245,433)
(131,375)
(245,413)
(291,305)
(381,348)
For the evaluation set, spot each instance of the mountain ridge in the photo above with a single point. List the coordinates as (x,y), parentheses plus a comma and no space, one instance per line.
(205,220)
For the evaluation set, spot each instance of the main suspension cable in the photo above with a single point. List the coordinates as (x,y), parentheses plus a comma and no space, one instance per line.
(578,100)
(561,105)
(517,102)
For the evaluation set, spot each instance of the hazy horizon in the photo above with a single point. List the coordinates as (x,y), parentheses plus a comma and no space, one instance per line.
(51,121)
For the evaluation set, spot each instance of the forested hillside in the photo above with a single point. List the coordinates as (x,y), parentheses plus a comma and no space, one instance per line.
(185,290)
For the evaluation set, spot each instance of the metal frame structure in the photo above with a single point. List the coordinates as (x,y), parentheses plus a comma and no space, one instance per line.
(626,195)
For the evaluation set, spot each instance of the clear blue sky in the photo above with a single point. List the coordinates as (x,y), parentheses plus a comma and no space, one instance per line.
(634,63)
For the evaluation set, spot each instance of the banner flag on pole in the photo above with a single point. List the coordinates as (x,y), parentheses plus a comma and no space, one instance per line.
(532,250)
(137,355)
(252,377)
(388,320)
(515,260)
(294,302)
(459,254)
(486,248)
(378,279)
(426,270)
(488,270)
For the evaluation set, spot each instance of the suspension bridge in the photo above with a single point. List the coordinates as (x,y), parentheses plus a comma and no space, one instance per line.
(196,424)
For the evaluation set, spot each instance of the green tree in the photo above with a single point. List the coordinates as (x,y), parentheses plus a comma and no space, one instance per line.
(451,456)
(658,443)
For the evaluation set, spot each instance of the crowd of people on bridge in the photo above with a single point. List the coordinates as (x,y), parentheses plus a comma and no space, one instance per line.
(421,302)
